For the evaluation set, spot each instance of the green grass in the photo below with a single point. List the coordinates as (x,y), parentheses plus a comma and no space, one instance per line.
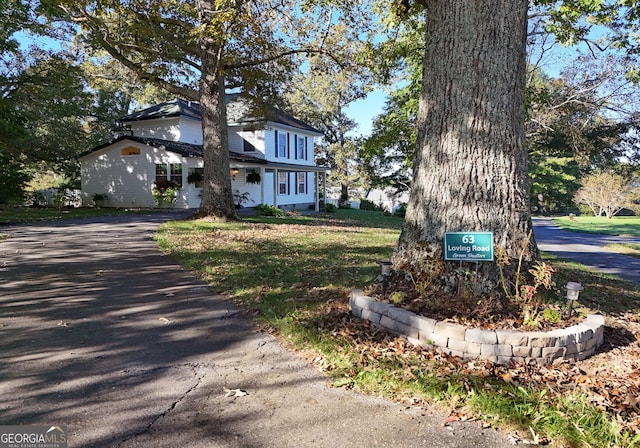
(631,249)
(618,225)
(283,264)
(16,215)
(294,275)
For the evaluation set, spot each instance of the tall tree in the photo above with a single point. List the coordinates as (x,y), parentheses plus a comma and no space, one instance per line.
(115,91)
(320,93)
(196,50)
(470,166)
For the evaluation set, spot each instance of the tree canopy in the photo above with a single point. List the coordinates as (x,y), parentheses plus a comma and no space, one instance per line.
(200,49)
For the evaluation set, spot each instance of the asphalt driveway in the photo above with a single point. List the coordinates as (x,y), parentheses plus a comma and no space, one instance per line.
(588,249)
(103,334)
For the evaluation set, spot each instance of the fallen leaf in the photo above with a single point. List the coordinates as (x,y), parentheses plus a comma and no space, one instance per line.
(235,393)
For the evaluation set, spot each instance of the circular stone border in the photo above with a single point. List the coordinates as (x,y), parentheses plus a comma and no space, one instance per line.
(574,343)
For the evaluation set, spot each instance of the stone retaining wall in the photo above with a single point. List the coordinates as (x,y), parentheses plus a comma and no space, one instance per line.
(576,343)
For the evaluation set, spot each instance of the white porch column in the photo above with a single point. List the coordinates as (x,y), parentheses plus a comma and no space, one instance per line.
(317,191)
(276,179)
(324,188)
(262,182)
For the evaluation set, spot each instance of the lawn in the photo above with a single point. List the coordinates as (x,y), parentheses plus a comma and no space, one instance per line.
(15,214)
(618,225)
(294,274)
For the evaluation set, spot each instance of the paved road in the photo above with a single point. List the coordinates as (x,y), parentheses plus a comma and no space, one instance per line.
(103,334)
(588,249)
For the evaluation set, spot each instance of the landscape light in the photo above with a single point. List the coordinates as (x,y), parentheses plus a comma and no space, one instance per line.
(385,272)
(573,291)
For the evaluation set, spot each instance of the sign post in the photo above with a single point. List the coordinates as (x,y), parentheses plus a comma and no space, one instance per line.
(468,246)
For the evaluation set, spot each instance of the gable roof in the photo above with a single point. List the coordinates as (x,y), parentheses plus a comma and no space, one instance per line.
(184,149)
(173,108)
(239,111)
(193,150)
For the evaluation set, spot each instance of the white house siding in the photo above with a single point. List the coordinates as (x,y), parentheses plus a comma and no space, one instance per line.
(270,146)
(165,129)
(125,179)
(263,193)
(236,141)
(190,131)
(293,199)
(128,179)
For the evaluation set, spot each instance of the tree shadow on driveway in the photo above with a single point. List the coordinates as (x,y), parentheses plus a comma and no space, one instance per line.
(103,334)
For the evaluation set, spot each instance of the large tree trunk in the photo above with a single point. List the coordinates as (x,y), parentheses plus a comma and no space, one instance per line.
(217,196)
(470,166)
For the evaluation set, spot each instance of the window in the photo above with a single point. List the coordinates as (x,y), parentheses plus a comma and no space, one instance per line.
(301,148)
(302,183)
(161,172)
(282,145)
(248,141)
(282,183)
(176,173)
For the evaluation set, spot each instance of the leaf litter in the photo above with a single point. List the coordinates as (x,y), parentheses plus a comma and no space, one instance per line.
(610,379)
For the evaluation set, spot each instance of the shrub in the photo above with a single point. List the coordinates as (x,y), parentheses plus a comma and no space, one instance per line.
(330,208)
(368,205)
(269,210)
(239,199)
(401,211)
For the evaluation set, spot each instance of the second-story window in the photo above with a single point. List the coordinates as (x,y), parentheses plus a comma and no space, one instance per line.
(282,145)
(248,141)
(301,152)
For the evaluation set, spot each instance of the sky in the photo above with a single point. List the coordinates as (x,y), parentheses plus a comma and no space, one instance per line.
(365,110)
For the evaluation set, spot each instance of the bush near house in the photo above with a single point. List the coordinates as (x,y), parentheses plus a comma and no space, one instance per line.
(269,210)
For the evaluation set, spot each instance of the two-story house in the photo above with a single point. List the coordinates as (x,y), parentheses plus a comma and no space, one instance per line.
(271,157)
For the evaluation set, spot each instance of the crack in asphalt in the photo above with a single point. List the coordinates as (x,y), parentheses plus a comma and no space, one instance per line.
(199,370)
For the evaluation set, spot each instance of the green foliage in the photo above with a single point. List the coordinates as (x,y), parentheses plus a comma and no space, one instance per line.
(13,178)
(239,199)
(330,208)
(253,177)
(396,297)
(165,192)
(270,210)
(551,315)
(607,192)
(401,211)
(370,206)
(195,177)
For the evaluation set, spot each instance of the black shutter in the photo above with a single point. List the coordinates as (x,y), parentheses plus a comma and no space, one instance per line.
(276,146)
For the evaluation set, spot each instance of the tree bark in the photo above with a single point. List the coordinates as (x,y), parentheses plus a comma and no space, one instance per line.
(470,165)
(217,195)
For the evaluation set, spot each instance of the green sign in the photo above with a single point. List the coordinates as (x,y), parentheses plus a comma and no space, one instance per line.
(468,246)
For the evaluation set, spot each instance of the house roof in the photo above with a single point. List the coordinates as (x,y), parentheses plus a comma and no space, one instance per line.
(173,108)
(239,111)
(192,150)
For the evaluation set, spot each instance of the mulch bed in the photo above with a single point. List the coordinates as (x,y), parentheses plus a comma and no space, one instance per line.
(610,379)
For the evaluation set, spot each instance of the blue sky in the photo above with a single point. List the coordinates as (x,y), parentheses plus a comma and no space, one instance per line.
(364,111)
